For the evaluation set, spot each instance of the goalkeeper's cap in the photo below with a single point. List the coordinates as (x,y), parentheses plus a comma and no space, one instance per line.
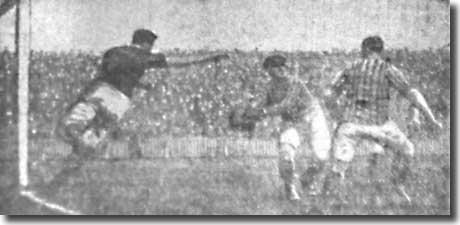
(274,61)
(373,43)
(144,36)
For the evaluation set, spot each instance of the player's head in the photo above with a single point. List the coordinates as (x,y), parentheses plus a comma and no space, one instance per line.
(144,38)
(371,44)
(275,65)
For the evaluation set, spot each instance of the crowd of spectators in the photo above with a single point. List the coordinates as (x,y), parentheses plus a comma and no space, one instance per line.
(197,100)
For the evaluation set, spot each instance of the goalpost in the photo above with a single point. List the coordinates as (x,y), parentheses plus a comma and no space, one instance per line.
(24,41)
(23,23)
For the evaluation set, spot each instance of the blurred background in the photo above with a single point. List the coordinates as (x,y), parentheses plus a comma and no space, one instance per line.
(227,24)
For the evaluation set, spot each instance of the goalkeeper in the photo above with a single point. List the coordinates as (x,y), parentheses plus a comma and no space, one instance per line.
(87,122)
(288,97)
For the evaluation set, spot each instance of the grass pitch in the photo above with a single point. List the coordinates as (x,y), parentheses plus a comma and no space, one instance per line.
(226,184)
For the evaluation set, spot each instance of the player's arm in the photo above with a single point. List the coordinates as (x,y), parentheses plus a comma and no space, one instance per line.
(258,111)
(419,101)
(413,122)
(184,61)
(276,109)
(154,60)
(336,87)
(400,82)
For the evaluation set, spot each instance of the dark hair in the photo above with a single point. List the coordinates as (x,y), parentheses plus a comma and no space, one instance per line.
(144,36)
(373,43)
(274,61)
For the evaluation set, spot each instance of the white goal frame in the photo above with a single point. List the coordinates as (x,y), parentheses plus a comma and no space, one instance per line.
(24,46)
(24,29)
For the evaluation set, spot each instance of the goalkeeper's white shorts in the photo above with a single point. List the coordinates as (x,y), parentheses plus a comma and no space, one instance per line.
(89,120)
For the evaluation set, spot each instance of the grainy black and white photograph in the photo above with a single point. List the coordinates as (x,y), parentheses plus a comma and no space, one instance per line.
(225,107)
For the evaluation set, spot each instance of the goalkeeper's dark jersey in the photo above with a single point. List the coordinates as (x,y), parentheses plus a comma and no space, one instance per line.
(292,99)
(123,67)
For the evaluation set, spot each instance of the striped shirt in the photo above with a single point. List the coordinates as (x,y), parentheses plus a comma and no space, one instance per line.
(366,86)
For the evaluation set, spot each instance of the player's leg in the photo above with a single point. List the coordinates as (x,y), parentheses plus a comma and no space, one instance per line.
(74,127)
(344,144)
(133,139)
(111,107)
(288,143)
(320,142)
(320,136)
(375,150)
(375,182)
(393,138)
(343,148)
(403,156)
(71,129)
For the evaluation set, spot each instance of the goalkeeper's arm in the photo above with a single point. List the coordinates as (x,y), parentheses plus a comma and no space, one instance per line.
(183,61)
(159,60)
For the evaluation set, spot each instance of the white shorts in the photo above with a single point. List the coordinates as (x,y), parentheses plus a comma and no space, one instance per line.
(315,125)
(89,120)
(111,99)
(349,135)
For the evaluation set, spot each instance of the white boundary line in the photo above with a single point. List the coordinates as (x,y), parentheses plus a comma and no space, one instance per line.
(31,195)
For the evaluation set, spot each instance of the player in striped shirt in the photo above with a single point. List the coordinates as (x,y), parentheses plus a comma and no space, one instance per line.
(365,86)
